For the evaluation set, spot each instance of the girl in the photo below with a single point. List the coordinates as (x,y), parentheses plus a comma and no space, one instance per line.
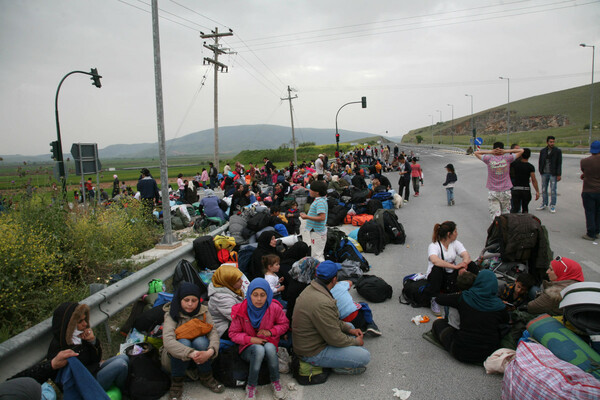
(416,174)
(271,268)
(204,177)
(176,352)
(181,186)
(224,292)
(257,323)
(451,179)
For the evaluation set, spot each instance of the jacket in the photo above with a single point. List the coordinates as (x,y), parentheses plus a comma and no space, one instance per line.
(555,161)
(316,322)
(548,302)
(148,188)
(176,349)
(241,330)
(221,300)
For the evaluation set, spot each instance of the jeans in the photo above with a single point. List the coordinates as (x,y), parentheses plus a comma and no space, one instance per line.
(591,206)
(113,372)
(404,185)
(449,195)
(548,178)
(255,354)
(340,357)
(416,184)
(178,366)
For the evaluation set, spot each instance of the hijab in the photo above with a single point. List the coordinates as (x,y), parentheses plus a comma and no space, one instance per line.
(209,193)
(264,241)
(482,296)
(185,289)
(256,314)
(567,269)
(304,269)
(227,276)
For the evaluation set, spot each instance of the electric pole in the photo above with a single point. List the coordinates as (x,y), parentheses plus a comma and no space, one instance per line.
(224,68)
(290,98)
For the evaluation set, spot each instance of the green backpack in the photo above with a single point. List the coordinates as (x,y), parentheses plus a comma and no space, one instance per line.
(307,374)
(155,286)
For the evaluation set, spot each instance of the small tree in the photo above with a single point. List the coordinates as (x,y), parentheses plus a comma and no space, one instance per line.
(306,144)
(419,138)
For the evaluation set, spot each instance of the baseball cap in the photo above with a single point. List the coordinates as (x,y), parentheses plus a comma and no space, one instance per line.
(595,147)
(328,269)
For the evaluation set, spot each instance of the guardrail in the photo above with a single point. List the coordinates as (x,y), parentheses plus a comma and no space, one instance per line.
(30,347)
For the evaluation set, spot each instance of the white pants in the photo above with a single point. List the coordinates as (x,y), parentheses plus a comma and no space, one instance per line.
(316,240)
(499,203)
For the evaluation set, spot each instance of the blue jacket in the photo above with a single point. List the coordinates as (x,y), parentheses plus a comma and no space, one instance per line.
(148,188)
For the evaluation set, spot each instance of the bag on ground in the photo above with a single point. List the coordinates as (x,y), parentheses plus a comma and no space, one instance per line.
(185,272)
(205,253)
(413,291)
(146,379)
(374,289)
(371,237)
(394,231)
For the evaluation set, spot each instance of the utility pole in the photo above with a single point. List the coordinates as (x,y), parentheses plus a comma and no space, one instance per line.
(224,68)
(290,98)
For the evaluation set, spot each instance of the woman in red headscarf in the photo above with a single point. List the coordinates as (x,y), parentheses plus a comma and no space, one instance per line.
(562,273)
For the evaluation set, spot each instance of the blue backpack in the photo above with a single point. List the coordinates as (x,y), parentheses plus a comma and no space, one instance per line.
(347,251)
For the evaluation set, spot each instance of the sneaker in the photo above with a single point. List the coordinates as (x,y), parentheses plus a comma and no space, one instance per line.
(250,392)
(372,330)
(552,209)
(542,207)
(416,194)
(435,308)
(350,371)
(406,201)
(278,393)
(452,201)
(586,237)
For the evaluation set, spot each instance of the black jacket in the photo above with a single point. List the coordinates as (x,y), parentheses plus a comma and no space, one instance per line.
(148,188)
(555,161)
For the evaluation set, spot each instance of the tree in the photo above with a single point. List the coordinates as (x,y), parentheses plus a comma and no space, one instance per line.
(419,138)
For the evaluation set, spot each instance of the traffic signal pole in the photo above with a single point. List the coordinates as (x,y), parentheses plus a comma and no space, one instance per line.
(363,101)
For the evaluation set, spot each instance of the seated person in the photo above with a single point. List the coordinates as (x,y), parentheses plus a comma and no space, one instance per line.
(358,314)
(464,282)
(338,184)
(482,317)
(211,205)
(320,338)
(271,268)
(516,294)
(267,244)
(224,292)
(257,324)
(301,275)
(382,182)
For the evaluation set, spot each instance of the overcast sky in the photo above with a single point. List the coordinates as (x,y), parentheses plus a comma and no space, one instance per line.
(409,58)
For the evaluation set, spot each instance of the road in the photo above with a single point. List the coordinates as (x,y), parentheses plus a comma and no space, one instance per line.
(400,357)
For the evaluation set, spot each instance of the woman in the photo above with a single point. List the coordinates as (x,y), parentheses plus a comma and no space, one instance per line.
(210,205)
(267,243)
(442,266)
(302,273)
(177,353)
(482,318)
(181,186)
(240,198)
(224,292)
(562,273)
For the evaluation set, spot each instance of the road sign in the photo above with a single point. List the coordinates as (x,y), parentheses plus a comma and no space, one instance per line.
(478,141)
(86,158)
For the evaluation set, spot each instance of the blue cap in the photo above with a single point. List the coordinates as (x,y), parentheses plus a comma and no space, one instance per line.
(328,269)
(595,147)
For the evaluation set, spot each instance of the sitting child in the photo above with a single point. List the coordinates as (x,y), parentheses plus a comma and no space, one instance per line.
(271,268)
(358,314)
(257,324)
(517,293)
(464,281)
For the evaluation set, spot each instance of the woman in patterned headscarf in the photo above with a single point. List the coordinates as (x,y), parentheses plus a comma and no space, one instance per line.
(224,292)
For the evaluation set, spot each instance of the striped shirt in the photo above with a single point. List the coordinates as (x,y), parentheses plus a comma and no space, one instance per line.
(319,206)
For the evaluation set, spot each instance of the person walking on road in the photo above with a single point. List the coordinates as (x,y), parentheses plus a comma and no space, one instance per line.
(416,175)
(550,166)
(590,194)
(521,171)
(404,180)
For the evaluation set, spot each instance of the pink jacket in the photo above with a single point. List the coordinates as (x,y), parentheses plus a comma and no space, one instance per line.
(241,330)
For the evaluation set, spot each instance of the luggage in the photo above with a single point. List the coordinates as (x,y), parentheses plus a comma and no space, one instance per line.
(237,223)
(413,292)
(371,237)
(336,215)
(333,242)
(307,374)
(394,231)
(185,272)
(387,204)
(347,251)
(245,257)
(373,205)
(357,219)
(258,222)
(205,253)
(360,197)
(224,242)
(382,196)
(374,289)
(146,380)
(229,368)
(359,182)
(581,308)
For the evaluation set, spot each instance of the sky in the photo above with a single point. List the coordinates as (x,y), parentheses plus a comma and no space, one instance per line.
(409,58)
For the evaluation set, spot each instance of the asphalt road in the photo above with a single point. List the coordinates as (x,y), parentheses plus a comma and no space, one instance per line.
(400,357)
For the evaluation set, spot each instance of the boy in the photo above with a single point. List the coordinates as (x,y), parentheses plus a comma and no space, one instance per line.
(517,293)
(316,230)
(358,314)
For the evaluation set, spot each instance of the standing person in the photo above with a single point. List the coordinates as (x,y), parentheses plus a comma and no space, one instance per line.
(181,186)
(550,166)
(498,180)
(148,189)
(204,178)
(451,179)
(316,219)
(404,180)
(319,167)
(269,168)
(521,171)
(115,190)
(395,150)
(590,194)
(416,173)
(212,174)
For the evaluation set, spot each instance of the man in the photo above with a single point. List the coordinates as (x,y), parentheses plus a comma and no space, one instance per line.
(212,174)
(498,181)
(404,180)
(521,171)
(269,168)
(381,181)
(319,167)
(550,167)
(148,189)
(590,194)
(320,338)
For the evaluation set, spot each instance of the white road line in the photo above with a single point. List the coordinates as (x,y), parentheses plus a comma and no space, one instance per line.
(592,265)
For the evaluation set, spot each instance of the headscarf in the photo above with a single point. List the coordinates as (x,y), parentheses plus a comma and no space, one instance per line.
(483,294)
(185,289)
(264,241)
(209,193)
(304,269)
(256,314)
(567,269)
(227,276)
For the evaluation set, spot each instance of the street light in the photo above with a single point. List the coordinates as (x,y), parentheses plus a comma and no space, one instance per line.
(507,111)
(452,132)
(591,90)
(472,126)
(431,129)
(363,102)
(440,115)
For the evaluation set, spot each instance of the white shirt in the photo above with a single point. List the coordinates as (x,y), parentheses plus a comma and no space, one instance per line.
(454,250)
(273,281)
(319,166)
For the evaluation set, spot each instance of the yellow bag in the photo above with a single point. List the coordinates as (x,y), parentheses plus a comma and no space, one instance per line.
(193,328)
(224,242)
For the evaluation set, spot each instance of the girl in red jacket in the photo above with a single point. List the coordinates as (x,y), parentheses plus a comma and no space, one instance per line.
(256,325)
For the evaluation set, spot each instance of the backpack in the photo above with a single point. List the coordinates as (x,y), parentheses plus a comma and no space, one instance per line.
(360,219)
(205,253)
(360,196)
(336,215)
(185,272)
(258,222)
(394,231)
(146,380)
(245,257)
(374,289)
(413,292)
(347,251)
(371,237)
(224,242)
(307,374)
(333,242)
(373,205)
(232,371)
(155,286)
(382,196)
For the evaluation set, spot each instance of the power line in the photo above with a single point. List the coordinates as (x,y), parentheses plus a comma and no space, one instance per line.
(175,15)
(202,15)
(160,16)
(261,61)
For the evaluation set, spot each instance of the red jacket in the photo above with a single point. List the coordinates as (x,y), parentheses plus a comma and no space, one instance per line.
(241,330)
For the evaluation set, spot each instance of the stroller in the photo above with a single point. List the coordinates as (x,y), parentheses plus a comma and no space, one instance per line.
(516,243)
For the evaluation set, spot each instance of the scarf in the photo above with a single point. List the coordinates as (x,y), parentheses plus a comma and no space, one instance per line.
(227,276)
(185,289)
(567,269)
(483,294)
(209,193)
(304,269)
(256,314)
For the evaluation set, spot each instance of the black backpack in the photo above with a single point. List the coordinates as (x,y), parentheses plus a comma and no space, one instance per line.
(146,380)
(394,231)
(374,289)
(413,292)
(371,237)
(205,253)
(333,243)
(359,182)
(232,371)
(336,215)
(185,272)
(360,197)
(373,205)
(347,251)
(258,222)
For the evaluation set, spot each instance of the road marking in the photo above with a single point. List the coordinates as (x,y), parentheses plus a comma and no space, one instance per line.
(592,265)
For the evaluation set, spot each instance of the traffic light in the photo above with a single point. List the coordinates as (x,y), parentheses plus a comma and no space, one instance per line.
(96,78)
(337,137)
(364,102)
(54,150)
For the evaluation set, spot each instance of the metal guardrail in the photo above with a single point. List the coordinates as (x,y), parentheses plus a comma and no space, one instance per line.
(30,347)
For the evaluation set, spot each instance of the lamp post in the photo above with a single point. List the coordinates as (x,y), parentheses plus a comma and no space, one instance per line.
(452,132)
(431,129)
(472,126)
(591,90)
(363,101)
(507,111)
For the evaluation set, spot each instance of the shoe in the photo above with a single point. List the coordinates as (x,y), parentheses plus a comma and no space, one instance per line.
(176,390)
(542,207)
(552,209)
(435,308)
(586,237)
(250,392)
(452,201)
(278,393)
(350,371)
(211,383)
(416,194)
(406,201)
(373,330)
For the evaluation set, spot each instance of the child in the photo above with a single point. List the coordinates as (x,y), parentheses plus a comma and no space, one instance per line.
(518,293)
(256,325)
(464,282)
(316,218)
(293,217)
(358,314)
(451,179)
(271,268)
